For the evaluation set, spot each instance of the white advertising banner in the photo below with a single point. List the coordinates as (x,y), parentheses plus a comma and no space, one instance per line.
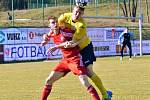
(22,43)
(28,52)
(35,34)
(104,48)
(111,48)
(112,34)
(96,34)
(104,34)
(12,36)
(22,35)
(145,47)
(35,52)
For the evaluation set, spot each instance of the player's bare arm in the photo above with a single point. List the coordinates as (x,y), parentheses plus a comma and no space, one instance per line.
(46,39)
(55,47)
(73,43)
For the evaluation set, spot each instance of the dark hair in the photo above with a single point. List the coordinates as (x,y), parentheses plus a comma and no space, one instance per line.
(52,17)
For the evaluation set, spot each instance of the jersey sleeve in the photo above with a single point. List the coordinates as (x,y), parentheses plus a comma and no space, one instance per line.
(121,37)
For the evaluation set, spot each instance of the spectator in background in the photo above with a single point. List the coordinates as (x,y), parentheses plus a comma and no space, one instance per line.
(9,17)
(125,38)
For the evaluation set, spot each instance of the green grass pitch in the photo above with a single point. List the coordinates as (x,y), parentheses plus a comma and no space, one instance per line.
(129,80)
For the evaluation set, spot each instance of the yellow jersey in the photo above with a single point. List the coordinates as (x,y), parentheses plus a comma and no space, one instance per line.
(79,26)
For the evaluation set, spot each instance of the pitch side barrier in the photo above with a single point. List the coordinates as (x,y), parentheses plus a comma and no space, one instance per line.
(22,44)
(140,18)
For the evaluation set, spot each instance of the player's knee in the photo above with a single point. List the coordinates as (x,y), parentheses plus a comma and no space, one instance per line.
(90,71)
(50,79)
(84,80)
(89,74)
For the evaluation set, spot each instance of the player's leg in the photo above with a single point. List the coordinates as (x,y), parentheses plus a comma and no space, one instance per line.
(84,80)
(81,71)
(130,49)
(97,81)
(88,58)
(123,46)
(106,95)
(59,71)
(53,76)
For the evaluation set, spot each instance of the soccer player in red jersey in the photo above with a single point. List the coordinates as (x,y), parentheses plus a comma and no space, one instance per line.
(71,60)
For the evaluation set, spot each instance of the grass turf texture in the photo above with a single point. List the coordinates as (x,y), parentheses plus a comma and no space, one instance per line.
(129,80)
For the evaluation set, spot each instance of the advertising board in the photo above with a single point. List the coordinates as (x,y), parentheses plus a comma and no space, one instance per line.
(23,52)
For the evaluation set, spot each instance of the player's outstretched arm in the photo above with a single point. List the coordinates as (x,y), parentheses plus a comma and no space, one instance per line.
(46,39)
(120,38)
(55,47)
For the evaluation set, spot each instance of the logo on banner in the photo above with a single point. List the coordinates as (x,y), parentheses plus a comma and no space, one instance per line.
(2,37)
(34,34)
(101,48)
(113,33)
(26,51)
(7,51)
(31,35)
(13,36)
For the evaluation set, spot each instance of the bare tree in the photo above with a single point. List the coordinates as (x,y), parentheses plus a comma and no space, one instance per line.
(129,4)
(3,4)
(132,8)
(148,20)
(125,8)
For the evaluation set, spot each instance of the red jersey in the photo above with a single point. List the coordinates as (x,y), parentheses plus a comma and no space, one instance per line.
(63,36)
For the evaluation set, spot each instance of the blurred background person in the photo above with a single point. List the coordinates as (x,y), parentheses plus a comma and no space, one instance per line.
(125,39)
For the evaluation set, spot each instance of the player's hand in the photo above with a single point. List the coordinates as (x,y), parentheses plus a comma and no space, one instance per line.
(46,37)
(67,45)
(45,40)
(118,42)
(70,44)
(43,43)
(51,49)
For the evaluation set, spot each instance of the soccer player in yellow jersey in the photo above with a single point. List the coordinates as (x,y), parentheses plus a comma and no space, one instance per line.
(75,22)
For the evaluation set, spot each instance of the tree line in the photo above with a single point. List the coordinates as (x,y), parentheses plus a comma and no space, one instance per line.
(129,7)
(24,4)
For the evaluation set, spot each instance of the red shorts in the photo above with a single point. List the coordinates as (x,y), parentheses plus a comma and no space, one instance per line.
(66,66)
